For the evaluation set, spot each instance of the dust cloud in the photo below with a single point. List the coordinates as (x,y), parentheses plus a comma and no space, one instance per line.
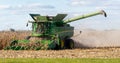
(94,38)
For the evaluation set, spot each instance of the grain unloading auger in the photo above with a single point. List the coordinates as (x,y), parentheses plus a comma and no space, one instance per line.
(50,32)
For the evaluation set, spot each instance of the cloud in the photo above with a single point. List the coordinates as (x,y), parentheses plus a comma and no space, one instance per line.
(4,6)
(80,2)
(26,6)
(112,3)
(108,7)
(111,6)
(38,5)
(95,3)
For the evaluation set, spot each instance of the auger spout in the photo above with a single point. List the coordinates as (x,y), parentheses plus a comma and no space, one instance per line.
(102,12)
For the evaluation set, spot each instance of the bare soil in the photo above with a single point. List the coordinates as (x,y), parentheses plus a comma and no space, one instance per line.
(74,53)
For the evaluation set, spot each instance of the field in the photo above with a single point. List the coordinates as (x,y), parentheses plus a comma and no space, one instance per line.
(74,53)
(58,60)
(90,46)
(7,36)
(85,39)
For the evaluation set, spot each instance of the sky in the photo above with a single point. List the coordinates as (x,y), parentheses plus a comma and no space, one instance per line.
(15,13)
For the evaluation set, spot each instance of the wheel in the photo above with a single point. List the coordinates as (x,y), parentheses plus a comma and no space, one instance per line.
(56,47)
(62,44)
(69,44)
(14,42)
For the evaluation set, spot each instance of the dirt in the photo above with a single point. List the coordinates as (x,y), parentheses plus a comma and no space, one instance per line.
(74,53)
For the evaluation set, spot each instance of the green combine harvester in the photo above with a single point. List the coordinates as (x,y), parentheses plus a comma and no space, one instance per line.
(50,32)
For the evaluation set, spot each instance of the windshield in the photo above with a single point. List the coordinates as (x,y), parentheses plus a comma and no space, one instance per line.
(41,27)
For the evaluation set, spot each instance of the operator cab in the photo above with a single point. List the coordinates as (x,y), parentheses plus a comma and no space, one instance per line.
(41,27)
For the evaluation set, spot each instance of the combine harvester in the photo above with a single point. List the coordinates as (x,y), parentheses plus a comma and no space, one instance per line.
(49,32)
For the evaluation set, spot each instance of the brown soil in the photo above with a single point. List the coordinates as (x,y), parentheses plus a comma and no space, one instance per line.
(74,53)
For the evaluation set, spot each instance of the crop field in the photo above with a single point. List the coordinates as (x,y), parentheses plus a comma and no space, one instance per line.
(80,54)
(7,36)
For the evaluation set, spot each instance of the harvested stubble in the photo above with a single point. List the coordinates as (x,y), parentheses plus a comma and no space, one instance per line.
(74,53)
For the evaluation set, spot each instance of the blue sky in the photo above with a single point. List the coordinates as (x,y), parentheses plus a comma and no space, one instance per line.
(15,13)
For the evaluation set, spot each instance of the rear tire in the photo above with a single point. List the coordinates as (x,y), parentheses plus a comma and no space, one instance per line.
(69,44)
(56,47)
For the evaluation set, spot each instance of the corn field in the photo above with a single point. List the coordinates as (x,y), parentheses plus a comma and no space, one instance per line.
(7,36)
